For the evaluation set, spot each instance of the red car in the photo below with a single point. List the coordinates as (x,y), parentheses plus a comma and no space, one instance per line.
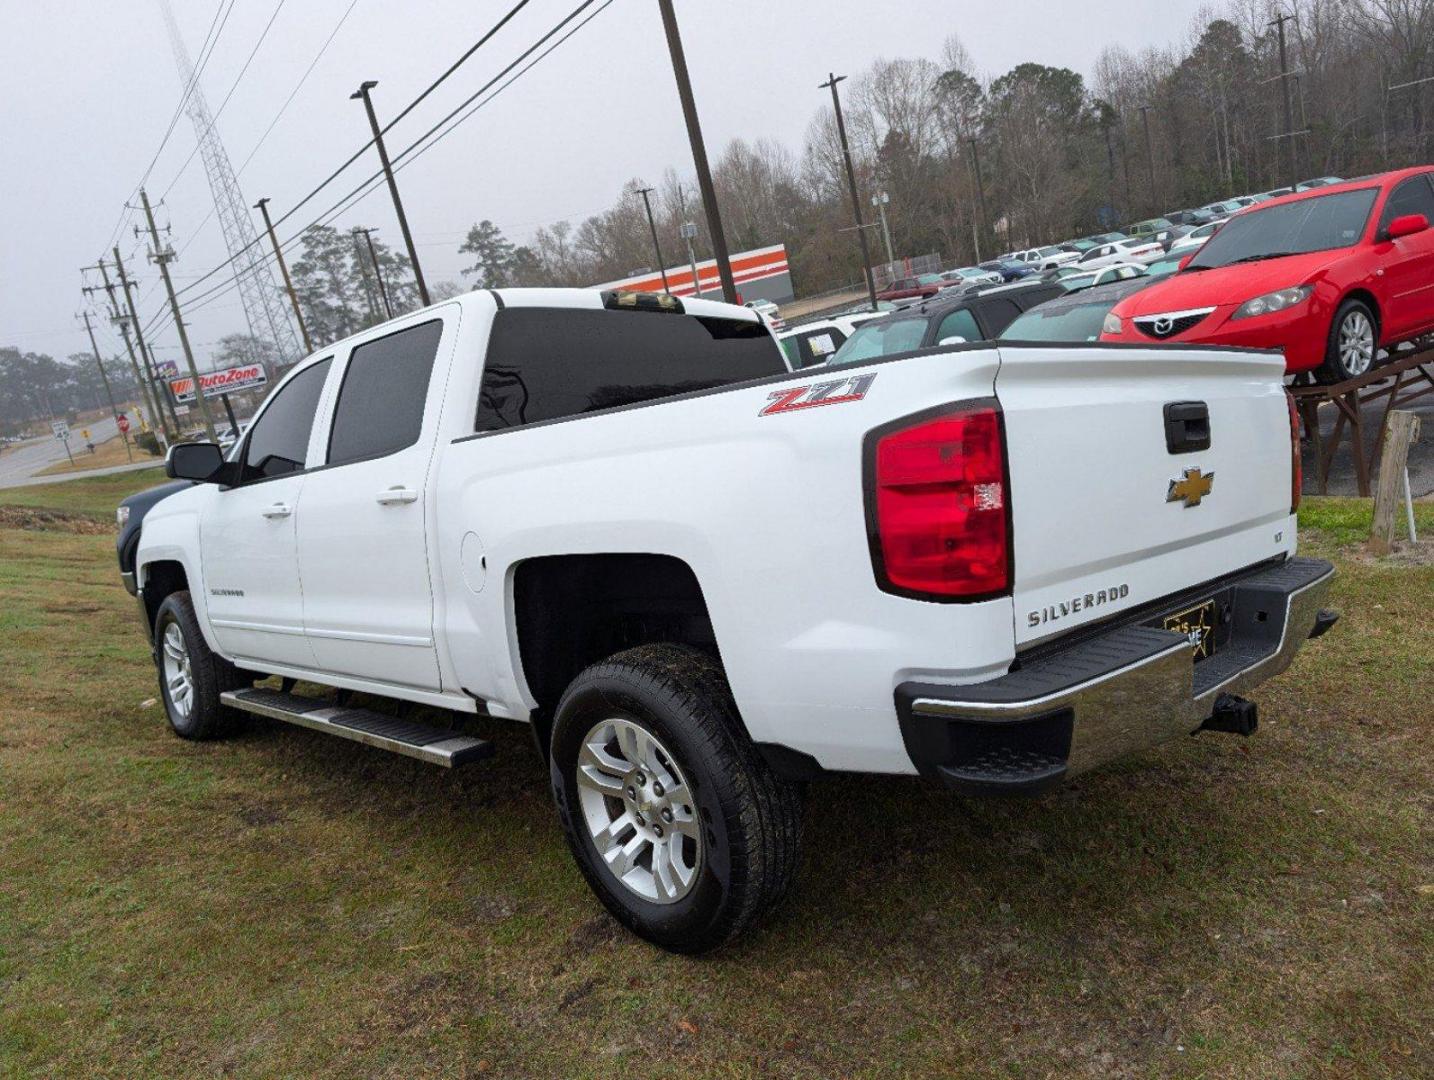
(1329,275)
(909,287)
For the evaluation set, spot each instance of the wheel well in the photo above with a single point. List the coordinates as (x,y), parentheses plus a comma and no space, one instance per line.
(161,579)
(1368,299)
(574,610)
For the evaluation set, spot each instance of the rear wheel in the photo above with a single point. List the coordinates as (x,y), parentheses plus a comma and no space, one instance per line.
(191,675)
(679,826)
(1352,345)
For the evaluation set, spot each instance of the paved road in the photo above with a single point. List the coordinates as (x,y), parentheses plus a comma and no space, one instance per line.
(23,460)
(1342,480)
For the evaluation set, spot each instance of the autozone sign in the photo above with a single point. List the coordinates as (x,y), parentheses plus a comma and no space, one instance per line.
(245,377)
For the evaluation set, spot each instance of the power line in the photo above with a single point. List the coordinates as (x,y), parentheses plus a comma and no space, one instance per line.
(413,151)
(214,119)
(359,152)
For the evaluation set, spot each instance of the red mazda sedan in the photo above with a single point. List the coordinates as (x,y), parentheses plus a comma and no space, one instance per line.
(1330,276)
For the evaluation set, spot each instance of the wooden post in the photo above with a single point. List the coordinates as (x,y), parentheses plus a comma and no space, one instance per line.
(1400,434)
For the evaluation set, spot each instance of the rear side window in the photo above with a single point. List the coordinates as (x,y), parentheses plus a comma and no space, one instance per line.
(380,406)
(885,337)
(960,323)
(812,346)
(279,440)
(549,363)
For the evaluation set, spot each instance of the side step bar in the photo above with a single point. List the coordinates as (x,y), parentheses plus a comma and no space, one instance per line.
(437,746)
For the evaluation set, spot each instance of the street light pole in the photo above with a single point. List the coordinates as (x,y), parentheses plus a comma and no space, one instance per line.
(980,190)
(1149,154)
(263,207)
(879,201)
(831,84)
(688,232)
(661,263)
(363,93)
(699,151)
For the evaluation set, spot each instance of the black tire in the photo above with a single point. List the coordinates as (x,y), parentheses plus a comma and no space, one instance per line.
(210,675)
(1335,369)
(749,820)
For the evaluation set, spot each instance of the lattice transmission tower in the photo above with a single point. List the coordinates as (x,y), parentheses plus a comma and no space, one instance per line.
(263,307)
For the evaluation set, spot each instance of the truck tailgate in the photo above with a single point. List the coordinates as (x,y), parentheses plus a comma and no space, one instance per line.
(1108,511)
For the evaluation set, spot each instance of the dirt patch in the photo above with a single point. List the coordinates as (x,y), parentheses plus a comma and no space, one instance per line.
(1404,554)
(40,520)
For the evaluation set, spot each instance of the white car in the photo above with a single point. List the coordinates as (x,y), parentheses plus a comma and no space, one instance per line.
(814,343)
(703,579)
(1195,239)
(1085,279)
(771,314)
(1046,258)
(1132,249)
(965,276)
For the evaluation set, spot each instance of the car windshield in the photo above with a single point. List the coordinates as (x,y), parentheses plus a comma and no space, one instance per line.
(1050,322)
(1322,223)
(1161,267)
(881,339)
(930,279)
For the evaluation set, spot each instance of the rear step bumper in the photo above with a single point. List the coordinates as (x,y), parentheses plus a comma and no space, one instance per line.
(1128,688)
(437,746)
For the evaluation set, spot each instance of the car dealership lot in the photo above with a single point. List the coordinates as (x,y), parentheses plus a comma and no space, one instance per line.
(285,904)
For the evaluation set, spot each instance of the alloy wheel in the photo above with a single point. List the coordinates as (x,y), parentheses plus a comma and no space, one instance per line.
(1356,343)
(178,678)
(639,811)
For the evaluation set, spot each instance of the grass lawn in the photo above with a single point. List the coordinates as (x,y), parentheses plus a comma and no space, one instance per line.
(285,904)
(94,497)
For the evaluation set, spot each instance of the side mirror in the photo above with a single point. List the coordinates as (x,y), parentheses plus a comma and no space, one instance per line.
(1406,225)
(953,340)
(199,461)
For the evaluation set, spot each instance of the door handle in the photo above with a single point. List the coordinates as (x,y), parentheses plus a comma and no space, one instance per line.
(396,496)
(277,510)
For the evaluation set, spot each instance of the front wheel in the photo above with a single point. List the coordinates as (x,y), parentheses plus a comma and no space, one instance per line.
(679,826)
(191,675)
(1352,345)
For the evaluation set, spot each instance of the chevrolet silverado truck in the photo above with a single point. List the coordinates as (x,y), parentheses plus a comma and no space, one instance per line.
(705,580)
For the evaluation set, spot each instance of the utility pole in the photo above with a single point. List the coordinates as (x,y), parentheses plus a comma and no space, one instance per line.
(652,225)
(831,84)
(377,270)
(980,188)
(369,293)
(363,92)
(1149,153)
(114,409)
(162,256)
(879,201)
(699,151)
(263,207)
(149,383)
(1279,24)
(1110,161)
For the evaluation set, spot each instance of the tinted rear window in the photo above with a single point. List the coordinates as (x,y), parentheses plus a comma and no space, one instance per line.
(884,338)
(548,363)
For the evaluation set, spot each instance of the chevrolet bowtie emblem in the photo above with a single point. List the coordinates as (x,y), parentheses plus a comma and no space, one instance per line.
(1190,488)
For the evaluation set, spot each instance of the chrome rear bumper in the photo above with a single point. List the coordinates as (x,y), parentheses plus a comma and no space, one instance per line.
(1125,689)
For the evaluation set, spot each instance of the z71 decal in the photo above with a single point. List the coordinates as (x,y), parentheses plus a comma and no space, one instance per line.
(823,393)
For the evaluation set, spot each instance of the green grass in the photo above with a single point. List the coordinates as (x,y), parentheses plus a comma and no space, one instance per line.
(94,497)
(1348,521)
(283,904)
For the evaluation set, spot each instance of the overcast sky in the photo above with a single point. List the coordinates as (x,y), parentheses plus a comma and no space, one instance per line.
(89,89)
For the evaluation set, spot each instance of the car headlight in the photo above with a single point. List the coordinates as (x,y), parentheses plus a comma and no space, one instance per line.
(1111,324)
(122,516)
(1275,301)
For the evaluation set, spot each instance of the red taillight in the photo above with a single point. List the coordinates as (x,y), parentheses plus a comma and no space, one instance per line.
(938,503)
(1297,469)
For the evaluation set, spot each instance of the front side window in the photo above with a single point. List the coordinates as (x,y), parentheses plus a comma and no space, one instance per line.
(550,363)
(279,439)
(960,324)
(1320,223)
(380,406)
(1413,196)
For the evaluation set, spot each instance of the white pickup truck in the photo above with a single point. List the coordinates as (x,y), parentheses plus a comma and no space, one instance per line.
(704,579)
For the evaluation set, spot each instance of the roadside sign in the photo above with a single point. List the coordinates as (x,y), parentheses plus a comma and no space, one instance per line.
(214,383)
(122,422)
(61,429)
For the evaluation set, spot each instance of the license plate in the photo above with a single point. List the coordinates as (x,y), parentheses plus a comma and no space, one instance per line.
(1197,624)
